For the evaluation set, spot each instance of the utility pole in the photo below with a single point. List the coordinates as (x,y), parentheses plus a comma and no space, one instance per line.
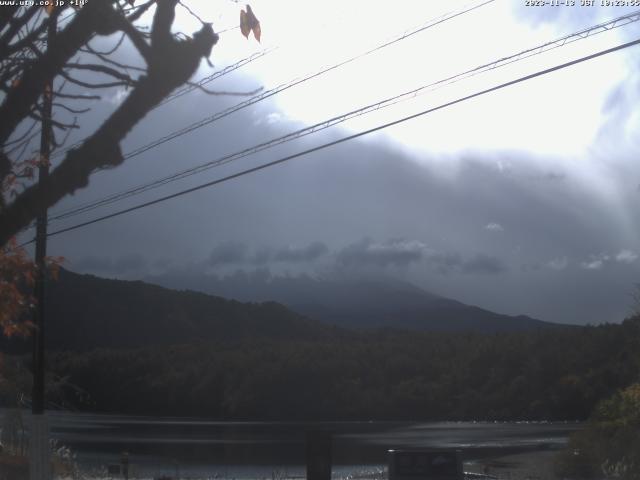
(39,450)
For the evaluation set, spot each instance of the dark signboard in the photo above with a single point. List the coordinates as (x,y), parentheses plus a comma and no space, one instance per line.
(114,470)
(318,455)
(425,464)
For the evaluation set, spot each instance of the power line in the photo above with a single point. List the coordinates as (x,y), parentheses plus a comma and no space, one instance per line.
(183,91)
(585,33)
(350,137)
(285,86)
(215,75)
(292,83)
(226,70)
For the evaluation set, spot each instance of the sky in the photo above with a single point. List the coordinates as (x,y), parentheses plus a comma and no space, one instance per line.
(521,201)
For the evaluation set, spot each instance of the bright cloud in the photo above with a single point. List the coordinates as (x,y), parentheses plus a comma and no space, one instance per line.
(558,263)
(596,262)
(593,265)
(626,256)
(494,227)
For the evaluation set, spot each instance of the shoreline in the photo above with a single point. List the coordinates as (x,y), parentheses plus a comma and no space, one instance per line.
(536,464)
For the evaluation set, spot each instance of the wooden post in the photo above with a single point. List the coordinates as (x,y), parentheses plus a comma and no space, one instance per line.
(125,465)
(318,455)
(39,458)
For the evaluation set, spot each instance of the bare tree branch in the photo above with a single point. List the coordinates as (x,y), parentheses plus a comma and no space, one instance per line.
(69,109)
(6,14)
(191,12)
(141,10)
(71,96)
(54,123)
(95,16)
(21,137)
(162,20)
(173,63)
(90,49)
(15,25)
(23,143)
(114,63)
(102,69)
(57,144)
(136,38)
(12,71)
(9,49)
(95,85)
(5,165)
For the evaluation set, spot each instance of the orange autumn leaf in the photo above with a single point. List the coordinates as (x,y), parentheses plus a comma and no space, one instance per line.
(249,23)
(244,24)
(17,281)
(53,264)
(17,275)
(257,32)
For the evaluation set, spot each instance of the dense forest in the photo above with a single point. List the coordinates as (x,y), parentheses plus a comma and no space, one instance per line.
(131,347)
(558,374)
(85,312)
(609,445)
(354,301)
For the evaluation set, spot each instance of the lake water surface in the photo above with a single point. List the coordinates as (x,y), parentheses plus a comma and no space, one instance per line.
(194,448)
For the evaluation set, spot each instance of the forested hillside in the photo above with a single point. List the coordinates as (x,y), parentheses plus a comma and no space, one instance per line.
(86,312)
(131,347)
(386,374)
(356,302)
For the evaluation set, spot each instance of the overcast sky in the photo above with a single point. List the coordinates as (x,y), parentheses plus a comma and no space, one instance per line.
(523,201)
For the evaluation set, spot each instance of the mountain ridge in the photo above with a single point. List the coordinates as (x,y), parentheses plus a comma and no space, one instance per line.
(86,312)
(358,302)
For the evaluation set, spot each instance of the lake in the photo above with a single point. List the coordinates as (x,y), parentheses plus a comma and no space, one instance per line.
(195,448)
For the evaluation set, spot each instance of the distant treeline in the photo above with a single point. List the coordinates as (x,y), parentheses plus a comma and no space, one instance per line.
(551,374)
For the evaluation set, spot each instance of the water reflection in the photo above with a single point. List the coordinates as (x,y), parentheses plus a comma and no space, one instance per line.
(192,448)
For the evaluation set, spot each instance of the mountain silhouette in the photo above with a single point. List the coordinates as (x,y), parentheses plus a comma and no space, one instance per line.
(356,302)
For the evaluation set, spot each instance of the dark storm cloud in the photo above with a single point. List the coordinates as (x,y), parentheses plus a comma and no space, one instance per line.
(445,263)
(617,98)
(296,254)
(358,257)
(452,262)
(162,263)
(397,252)
(372,189)
(261,256)
(128,263)
(483,264)
(231,252)
(619,109)
(435,207)
(92,264)
(120,265)
(237,253)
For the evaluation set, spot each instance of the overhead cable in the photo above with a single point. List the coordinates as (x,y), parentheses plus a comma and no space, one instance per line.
(585,33)
(347,138)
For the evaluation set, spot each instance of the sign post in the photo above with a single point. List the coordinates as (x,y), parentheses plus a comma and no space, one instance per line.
(39,451)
